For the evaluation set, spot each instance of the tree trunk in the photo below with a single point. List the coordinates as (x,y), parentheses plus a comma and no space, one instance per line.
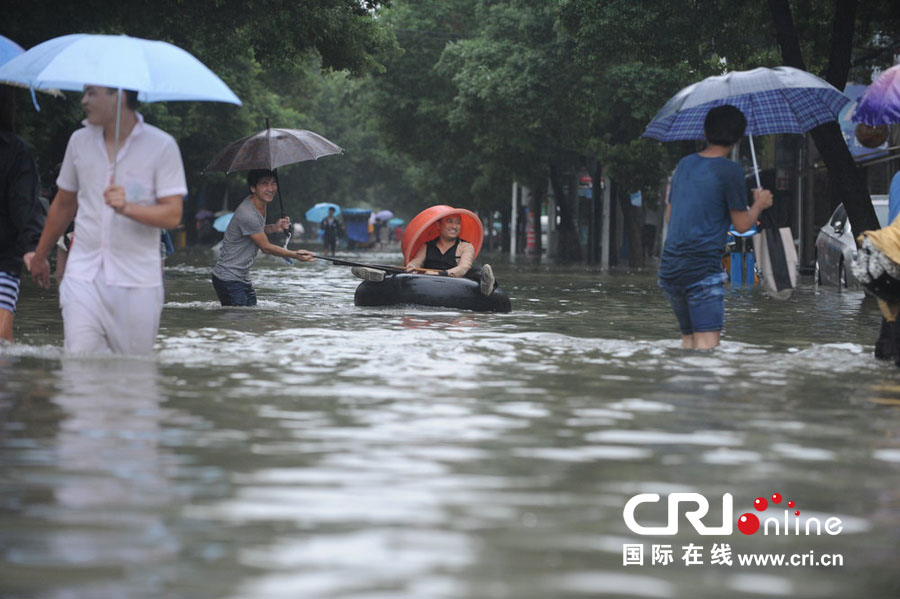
(634,223)
(569,249)
(596,220)
(534,206)
(614,242)
(845,180)
(505,229)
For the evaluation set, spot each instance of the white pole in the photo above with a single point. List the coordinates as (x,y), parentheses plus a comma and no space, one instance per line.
(799,196)
(604,227)
(755,166)
(513,222)
(552,210)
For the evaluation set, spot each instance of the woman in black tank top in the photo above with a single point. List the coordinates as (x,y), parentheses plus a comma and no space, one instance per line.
(452,256)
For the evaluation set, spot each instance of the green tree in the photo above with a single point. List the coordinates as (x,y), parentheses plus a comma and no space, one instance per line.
(270,54)
(638,55)
(519,95)
(411,101)
(277,32)
(678,42)
(846,181)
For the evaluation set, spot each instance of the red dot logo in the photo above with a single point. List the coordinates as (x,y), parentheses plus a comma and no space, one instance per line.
(748,523)
(797,513)
(776,498)
(760,504)
(791,503)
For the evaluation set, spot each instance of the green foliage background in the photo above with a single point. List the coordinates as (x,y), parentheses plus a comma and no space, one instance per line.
(440,101)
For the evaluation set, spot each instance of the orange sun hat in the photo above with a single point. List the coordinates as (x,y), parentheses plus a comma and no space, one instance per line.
(424,227)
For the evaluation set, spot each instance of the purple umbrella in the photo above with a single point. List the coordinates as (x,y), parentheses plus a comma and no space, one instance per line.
(880,103)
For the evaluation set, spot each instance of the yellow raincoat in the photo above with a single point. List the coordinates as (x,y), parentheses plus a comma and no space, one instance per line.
(887,241)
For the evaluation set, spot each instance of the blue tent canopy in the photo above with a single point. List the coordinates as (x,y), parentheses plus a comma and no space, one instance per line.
(356,224)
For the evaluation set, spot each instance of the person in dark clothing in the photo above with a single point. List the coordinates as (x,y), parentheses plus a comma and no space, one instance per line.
(22,214)
(331,228)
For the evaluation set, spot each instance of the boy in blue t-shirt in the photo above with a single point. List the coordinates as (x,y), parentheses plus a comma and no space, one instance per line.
(706,197)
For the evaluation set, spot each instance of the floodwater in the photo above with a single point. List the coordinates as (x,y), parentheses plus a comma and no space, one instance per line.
(312,449)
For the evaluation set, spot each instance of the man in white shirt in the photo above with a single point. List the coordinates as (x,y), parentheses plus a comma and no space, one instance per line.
(112,293)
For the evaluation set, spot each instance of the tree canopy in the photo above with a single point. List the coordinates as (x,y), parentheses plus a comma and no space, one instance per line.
(271,55)
(448,101)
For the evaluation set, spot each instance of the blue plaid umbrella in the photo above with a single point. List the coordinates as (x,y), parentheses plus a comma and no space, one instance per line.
(779,100)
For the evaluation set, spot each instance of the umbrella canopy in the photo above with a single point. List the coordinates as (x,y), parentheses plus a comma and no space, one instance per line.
(395,222)
(9,49)
(272,148)
(158,71)
(880,103)
(424,227)
(779,100)
(221,222)
(317,213)
(384,215)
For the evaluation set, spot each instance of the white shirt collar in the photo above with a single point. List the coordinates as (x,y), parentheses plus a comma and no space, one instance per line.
(138,126)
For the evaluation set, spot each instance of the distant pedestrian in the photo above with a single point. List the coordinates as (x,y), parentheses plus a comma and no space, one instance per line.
(707,196)
(331,228)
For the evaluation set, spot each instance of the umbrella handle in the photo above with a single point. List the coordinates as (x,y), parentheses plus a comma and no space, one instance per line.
(287,239)
(112,179)
(755,166)
(278,183)
(287,232)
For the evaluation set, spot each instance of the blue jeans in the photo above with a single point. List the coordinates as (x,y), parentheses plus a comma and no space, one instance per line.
(699,307)
(234,293)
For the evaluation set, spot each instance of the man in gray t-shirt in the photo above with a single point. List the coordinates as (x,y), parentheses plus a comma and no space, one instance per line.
(244,237)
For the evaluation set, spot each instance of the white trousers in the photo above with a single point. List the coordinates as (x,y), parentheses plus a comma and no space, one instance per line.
(100,318)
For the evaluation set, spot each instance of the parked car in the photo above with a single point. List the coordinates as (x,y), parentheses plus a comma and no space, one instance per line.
(836,246)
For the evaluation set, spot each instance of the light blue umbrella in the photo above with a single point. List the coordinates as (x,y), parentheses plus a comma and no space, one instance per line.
(221,222)
(395,222)
(317,213)
(9,49)
(158,71)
